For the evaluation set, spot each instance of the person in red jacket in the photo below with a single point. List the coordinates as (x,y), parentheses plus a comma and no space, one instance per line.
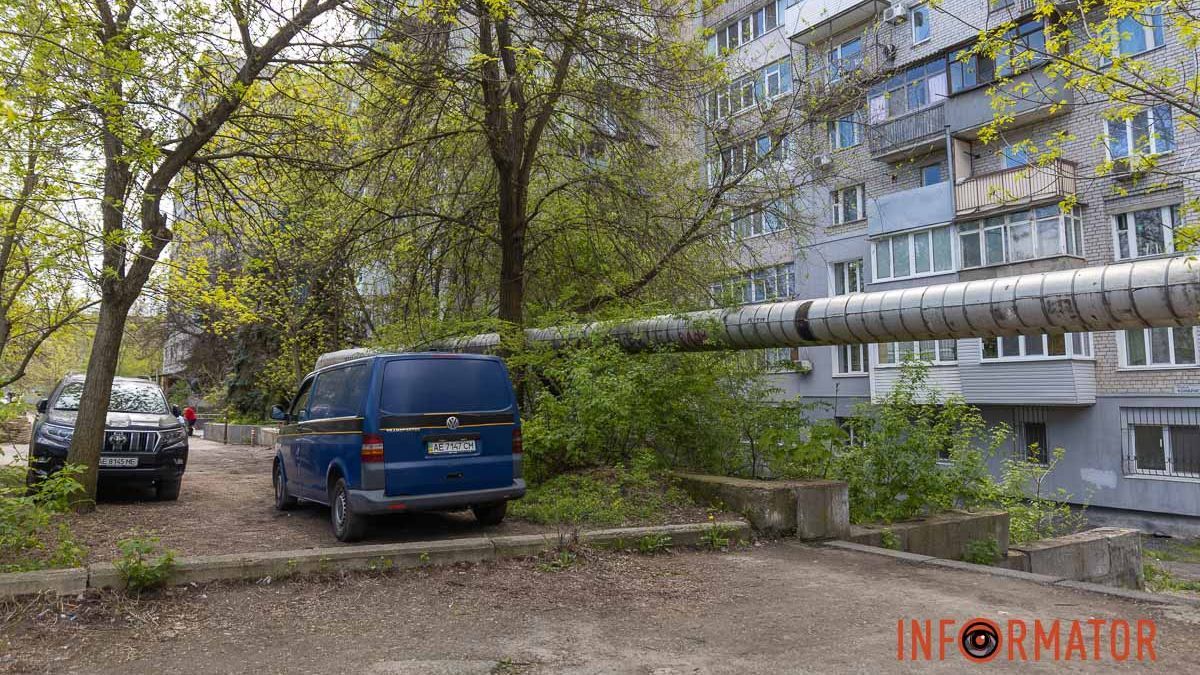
(189,416)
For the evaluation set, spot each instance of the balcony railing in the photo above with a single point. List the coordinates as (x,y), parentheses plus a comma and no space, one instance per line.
(1013,187)
(914,127)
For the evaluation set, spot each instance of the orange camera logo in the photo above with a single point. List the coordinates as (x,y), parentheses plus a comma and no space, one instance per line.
(981,640)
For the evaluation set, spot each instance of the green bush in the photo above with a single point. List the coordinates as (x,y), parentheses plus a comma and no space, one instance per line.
(916,453)
(982,551)
(32,518)
(142,566)
(1034,514)
(601,497)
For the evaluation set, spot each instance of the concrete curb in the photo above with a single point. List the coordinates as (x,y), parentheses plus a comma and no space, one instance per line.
(283,564)
(1111,591)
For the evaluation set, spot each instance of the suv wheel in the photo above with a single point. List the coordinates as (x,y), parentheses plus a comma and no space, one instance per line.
(490,514)
(167,490)
(347,525)
(283,501)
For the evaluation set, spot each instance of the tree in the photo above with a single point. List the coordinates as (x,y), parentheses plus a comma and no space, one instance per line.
(111,74)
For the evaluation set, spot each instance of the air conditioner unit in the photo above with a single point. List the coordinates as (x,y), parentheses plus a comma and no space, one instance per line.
(896,13)
(824,160)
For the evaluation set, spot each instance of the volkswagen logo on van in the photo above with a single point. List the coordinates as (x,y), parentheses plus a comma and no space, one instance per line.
(452,423)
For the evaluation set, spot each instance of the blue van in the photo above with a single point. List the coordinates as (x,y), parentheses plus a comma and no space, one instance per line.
(396,433)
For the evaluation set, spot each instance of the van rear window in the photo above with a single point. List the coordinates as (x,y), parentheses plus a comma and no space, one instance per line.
(444,385)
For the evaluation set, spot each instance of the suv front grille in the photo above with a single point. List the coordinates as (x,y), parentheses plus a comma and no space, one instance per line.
(130,441)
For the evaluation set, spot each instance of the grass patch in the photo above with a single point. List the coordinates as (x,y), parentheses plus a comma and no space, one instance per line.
(614,496)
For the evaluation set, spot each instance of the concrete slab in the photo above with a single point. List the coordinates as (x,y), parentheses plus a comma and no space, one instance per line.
(993,571)
(1129,594)
(809,509)
(37,582)
(879,550)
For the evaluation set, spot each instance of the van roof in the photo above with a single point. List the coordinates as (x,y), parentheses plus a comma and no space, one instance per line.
(331,359)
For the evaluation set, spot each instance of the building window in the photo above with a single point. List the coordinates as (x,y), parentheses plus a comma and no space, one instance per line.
(913,254)
(916,88)
(747,28)
(1158,347)
(968,70)
(1165,450)
(1149,132)
(937,352)
(999,4)
(1141,32)
(745,92)
(1033,438)
(745,155)
(851,359)
(754,221)
(845,59)
(1146,232)
(843,132)
(1037,233)
(1025,347)
(847,204)
(762,285)
(919,16)
(1015,156)
(847,277)
(931,175)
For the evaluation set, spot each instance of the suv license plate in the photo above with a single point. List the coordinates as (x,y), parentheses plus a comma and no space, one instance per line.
(118,461)
(451,447)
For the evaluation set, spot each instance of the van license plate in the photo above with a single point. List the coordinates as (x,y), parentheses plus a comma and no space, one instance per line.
(118,461)
(451,447)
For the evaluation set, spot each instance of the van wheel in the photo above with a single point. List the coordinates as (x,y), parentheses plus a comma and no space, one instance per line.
(490,514)
(167,490)
(347,525)
(283,501)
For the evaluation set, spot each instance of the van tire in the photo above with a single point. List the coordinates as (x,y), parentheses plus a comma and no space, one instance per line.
(490,514)
(283,501)
(347,525)
(167,490)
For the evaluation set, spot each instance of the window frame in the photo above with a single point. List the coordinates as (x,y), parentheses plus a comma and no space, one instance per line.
(924,10)
(1153,134)
(1150,32)
(911,238)
(838,204)
(834,56)
(756,19)
(746,283)
(1148,347)
(1166,444)
(1070,351)
(896,358)
(1169,219)
(854,123)
(1069,225)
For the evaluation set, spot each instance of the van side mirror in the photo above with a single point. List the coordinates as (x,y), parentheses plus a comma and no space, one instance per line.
(176,411)
(277,413)
(41,405)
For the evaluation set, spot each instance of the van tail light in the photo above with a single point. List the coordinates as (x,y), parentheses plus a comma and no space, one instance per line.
(372,448)
(518,447)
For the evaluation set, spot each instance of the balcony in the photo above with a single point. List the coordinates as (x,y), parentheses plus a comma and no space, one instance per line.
(909,209)
(822,18)
(1035,95)
(833,85)
(917,131)
(1020,186)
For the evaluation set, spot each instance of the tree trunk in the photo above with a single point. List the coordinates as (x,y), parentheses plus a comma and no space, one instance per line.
(88,440)
(512,251)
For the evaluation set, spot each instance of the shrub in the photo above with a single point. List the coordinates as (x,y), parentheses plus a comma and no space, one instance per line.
(31,517)
(982,551)
(142,566)
(915,453)
(601,496)
(1034,514)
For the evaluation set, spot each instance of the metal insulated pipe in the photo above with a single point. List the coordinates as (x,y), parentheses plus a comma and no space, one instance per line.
(1147,293)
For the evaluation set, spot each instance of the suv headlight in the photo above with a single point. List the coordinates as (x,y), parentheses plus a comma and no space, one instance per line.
(53,433)
(173,437)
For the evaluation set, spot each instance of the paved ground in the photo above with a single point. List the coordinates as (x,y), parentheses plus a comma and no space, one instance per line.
(226,506)
(777,608)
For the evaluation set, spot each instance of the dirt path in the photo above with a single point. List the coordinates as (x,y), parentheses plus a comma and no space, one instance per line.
(226,506)
(781,608)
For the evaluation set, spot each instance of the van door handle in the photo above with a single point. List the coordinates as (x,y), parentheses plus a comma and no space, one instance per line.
(457,474)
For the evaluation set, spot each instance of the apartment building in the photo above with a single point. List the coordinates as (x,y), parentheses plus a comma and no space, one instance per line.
(907,194)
